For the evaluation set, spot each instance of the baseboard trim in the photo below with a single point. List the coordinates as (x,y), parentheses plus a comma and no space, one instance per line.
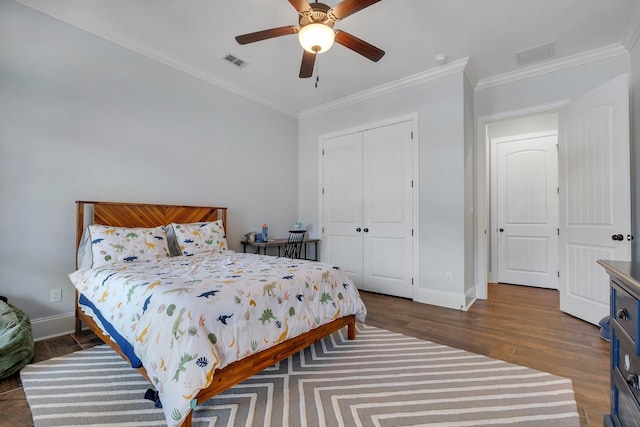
(52,326)
(442,299)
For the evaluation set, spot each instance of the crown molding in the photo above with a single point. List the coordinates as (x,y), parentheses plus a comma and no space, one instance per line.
(551,66)
(463,64)
(162,57)
(412,80)
(471,74)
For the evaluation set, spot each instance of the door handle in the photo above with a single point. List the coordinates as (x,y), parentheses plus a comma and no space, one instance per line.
(617,237)
(358,229)
(629,237)
(501,230)
(366,230)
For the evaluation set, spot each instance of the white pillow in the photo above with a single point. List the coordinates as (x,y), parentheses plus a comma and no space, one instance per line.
(84,257)
(193,238)
(112,245)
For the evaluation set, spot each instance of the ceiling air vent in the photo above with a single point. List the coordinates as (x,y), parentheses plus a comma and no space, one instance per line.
(535,54)
(235,60)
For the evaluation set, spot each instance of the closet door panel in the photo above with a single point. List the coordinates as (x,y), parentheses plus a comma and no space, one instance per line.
(342,205)
(387,209)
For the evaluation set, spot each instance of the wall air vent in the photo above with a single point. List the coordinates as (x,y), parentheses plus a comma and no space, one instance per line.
(535,54)
(235,60)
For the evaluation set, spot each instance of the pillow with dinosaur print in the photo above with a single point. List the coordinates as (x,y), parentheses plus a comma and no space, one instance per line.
(113,245)
(197,237)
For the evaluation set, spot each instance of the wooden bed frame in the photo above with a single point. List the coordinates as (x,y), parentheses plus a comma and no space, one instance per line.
(150,215)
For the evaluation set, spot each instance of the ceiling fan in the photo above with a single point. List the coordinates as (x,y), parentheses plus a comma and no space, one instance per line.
(316,33)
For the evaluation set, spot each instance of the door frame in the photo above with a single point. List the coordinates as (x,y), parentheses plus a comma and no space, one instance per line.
(493,148)
(483,189)
(413,118)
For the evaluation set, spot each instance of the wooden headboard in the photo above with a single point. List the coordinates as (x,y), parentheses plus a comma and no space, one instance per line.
(142,215)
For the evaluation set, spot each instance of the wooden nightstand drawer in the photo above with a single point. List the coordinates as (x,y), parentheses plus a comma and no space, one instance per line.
(625,312)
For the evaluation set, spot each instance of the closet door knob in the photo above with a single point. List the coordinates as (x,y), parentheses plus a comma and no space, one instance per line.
(617,237)
(366,230)
(358,229)
(502,230)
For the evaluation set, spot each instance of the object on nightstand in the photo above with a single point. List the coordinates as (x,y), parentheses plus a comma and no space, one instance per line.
(265,233)
(250,237)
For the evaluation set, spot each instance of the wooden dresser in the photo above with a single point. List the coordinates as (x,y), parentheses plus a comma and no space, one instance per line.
(625,343)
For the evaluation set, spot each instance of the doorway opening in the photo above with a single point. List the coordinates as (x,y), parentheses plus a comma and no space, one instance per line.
(524,200)
(594,195)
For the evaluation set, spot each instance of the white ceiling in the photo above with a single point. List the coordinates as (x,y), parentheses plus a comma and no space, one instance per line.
(193,35)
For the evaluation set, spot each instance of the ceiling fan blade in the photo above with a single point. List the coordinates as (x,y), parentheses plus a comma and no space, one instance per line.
(267,34)
(359,46)
(349,7)
(306,68)
(300,5)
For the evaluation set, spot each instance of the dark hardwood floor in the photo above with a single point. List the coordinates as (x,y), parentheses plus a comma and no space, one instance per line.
(517,324)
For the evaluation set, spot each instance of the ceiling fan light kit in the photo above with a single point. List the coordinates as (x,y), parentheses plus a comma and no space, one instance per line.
(316,38)
(316,34)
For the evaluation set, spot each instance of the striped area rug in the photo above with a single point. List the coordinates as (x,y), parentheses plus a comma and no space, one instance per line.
(380,379)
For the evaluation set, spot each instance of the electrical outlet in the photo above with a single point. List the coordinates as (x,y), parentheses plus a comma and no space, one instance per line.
(448,277)
(56,295)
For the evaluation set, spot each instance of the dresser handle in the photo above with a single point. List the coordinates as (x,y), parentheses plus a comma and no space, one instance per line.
(622,314)
(632,380)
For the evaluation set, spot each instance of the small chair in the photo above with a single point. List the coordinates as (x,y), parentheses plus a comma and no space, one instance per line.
(294,245)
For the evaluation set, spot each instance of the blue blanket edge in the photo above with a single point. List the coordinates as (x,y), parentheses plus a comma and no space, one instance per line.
(124,345)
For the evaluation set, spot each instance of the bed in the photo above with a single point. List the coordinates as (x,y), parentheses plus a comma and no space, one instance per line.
(193,317)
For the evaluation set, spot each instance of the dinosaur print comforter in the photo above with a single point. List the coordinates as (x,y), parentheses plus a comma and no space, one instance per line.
(184,317)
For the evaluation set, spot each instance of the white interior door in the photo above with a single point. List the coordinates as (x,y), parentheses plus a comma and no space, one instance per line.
(527,210)
(595,216)
(388,210)
(342,204)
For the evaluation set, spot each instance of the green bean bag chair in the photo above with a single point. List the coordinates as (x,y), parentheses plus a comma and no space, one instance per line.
(16,340)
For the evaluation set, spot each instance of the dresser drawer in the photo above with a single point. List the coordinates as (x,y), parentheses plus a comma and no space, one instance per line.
(625,311)
(627,412)
(627,365)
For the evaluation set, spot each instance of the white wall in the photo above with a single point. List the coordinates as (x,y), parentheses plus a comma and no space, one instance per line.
(545,122)
(84,119)
(546,89)
(470,195)
(635,147)
(440,108)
